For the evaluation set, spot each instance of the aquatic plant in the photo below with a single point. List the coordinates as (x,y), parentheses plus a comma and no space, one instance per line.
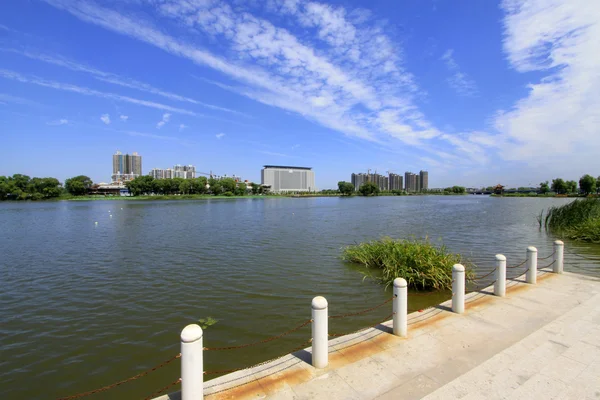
(578,220)
(206,322)
(423,265)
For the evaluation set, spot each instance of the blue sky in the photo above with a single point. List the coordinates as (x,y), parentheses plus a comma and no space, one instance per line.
(475,92)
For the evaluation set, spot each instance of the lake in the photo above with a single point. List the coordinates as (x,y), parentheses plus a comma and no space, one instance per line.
(85,305)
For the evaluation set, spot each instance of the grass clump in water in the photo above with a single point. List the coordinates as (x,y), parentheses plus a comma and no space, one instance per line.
(423,265)
(579,220)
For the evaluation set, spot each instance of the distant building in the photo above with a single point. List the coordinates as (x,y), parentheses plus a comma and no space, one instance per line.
(288,179)
(424,180)
(358,179)
(184,171)
(178,171)
(126,167)
(381,181)
(395,182)
(411,182)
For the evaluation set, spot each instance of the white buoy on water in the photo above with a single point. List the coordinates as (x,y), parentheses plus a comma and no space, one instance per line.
(111,215)
(96,223)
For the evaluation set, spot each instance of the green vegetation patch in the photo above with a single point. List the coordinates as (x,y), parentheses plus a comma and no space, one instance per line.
(424,265)
(579,220)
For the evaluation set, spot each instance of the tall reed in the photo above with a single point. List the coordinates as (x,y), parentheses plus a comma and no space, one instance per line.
(578,220)
(423,265)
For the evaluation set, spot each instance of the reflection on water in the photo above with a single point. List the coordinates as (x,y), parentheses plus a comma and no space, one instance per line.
(84,305)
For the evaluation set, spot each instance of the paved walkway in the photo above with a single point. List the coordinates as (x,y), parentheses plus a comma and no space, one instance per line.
(540,341)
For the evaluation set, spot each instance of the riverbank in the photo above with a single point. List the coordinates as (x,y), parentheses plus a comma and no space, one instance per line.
(546,195)
(540,338)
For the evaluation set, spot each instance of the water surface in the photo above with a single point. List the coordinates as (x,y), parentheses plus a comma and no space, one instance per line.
(85,305)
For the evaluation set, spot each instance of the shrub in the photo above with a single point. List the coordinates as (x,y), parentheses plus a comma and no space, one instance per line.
(422,264)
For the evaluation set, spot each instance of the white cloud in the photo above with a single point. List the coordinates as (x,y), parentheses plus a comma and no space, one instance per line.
(62,121)
(7,98)
(165,118)
(361,71)
(459,80)
(182,127)
(90,92)
(555,126)
(158,137)
(219,135)
(124,118)
(105,118)
(116,79)
(275,154)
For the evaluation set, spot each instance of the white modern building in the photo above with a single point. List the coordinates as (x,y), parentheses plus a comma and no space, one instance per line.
(288,179)
(178,171)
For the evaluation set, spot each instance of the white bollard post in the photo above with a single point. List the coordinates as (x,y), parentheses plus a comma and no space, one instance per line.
(559,254)
(320,345)
(192,364)
(500,284)
(458,288)
(400,307)
(531,276)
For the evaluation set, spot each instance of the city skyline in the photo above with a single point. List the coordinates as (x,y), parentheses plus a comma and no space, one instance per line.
(473,92)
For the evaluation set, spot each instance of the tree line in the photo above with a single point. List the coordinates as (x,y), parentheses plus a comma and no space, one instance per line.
(147,185)
(23,187)
(587,185)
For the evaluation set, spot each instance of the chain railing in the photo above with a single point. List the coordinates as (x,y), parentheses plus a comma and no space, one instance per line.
(242,346)
(164,389)
(400,307)
(582,256)
(361,312)
(516,266)
(229,371)
(116,384)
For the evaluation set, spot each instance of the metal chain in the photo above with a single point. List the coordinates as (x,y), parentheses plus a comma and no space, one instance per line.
(362,329)
(517,266)
(302,325)
(584,257)
(114,385)
(363,311)
(170,385)
(228,371)
(549,265)
(486,275)
(545,258)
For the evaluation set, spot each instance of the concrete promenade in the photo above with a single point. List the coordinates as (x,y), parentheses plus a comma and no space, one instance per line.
(539,342)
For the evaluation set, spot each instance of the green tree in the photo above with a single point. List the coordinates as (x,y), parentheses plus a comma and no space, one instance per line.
(215,186)
(587,183)
(185,186)
(544,187)
(369,189)
(598,184)
(345,188)
(198,185)
(78,185)
(459,189)
(240,189)
(559,186)
(141,185)
(228,184)
(255,188)
(571,186)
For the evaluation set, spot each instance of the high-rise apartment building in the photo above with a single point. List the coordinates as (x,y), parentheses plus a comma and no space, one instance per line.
(184,171)
(395,182)
(288,179)
(126,167)
(382,182)
(178,171)
(411,182)
(424,180)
